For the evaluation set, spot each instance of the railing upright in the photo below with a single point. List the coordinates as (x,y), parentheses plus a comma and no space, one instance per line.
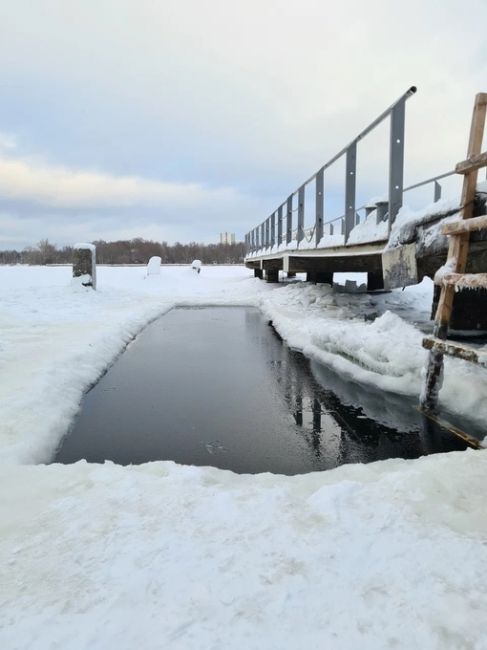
(350,186)
(396,159)
(289,219)
(300,233)
(320,206)
(279,225)
(273,229)
(437,191)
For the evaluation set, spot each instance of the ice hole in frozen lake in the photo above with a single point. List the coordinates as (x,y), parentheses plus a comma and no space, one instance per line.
(216,386)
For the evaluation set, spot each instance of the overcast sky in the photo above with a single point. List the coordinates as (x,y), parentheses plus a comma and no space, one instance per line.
(176,120)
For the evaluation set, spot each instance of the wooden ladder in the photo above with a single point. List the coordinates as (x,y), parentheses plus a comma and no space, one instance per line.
(452,276)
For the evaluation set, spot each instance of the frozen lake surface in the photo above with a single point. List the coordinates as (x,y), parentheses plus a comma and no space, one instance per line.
(216,386)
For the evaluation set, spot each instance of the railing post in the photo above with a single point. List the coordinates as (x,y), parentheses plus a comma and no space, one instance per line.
(300,233)
(350,171)
(382,208)
(273,229)
(320,204)
(262,234)
(279,225)
(289,220)
(257,239)
(437,191)
(267,233)
(396,160)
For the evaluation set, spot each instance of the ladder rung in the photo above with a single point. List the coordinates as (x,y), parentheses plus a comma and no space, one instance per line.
(465,280)
(457,350)
(465,225)
(472,163)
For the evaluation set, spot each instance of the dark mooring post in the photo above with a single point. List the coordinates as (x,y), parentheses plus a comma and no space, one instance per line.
(319,277)
(84,264)
(272,275)
(375,281)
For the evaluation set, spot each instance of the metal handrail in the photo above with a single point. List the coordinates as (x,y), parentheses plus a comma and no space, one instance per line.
(264,235)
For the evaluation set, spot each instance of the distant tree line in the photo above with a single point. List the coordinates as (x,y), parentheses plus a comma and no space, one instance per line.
(133,251)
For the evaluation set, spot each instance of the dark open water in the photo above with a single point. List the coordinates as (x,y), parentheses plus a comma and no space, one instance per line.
(216,386)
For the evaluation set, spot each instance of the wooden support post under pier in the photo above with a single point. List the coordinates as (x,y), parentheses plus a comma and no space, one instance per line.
(375,282)
(272,275)
(319,277)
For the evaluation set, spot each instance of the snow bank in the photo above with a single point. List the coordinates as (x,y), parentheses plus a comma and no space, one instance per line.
(369,230)
(404,227)
(386,555)
(384,351)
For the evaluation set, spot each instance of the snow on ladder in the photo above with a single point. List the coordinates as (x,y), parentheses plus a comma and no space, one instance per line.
(452,276)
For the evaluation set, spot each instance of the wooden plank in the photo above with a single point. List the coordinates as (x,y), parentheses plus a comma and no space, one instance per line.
(466,437)
(454,350)
(465,280)
(463,226)
(471,164)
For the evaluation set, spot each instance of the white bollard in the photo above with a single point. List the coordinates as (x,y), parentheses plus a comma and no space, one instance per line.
(154,265)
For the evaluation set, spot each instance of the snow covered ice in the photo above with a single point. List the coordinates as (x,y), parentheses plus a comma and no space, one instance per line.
(385,555)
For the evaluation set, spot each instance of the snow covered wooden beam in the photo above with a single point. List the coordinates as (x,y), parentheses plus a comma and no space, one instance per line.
(465,280)
(455,350)
(84,264)
(472,163)
(465,225)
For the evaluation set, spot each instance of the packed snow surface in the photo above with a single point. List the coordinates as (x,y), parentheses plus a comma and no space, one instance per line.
(387,555)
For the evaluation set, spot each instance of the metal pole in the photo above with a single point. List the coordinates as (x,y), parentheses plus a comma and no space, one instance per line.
(262,235)
(267,233)
(437,191)
(273,229)
(289,220)
(396,160)
(300,233)
(279,225)
(320,205)
(350,172)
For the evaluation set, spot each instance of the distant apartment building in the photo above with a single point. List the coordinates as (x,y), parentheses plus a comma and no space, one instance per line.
(227,238)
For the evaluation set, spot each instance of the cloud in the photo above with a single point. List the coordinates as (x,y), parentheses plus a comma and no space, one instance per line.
(60,187)
(39,199)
